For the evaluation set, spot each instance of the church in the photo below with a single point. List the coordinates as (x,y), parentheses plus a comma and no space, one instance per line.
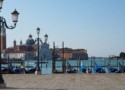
(27,51)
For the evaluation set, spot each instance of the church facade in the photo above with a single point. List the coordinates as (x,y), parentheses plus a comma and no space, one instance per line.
(29,50)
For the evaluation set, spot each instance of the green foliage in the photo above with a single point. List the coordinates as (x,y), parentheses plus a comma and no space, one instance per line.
(122,55)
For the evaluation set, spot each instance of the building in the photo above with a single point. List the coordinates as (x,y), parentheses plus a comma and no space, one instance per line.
(45,51)
(73,54)
(79,54)
(28,51)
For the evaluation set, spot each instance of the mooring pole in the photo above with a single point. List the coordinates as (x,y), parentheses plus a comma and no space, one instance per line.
(63,61)
(53,58)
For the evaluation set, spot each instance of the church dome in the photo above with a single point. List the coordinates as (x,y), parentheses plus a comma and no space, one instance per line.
(30,41)
(45,35)
(30,36)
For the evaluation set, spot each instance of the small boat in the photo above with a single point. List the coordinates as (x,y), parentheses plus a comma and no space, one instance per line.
(83,68)
(121,68)
(112,69)
(70,69)
(4,70)
(88,70)
(98,69)
(30,70)
(16,70)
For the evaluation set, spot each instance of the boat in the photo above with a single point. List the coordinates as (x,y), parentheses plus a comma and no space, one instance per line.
(112,69)
(98,69)
(16,70)
(88,70)
(83,68)
(121,68)
(4,70)
(30,69)
(70,69)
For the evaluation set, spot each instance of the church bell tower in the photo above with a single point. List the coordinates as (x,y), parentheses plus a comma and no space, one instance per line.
(3,39)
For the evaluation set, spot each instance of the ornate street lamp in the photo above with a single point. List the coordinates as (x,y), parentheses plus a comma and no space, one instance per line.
(1,3)
(38,39)
(15,16)
(46,38)
(4,25)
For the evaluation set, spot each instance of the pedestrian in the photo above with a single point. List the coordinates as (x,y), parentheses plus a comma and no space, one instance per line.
(22,68)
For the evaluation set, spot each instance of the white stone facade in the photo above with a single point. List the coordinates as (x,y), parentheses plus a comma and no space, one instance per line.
(45,52)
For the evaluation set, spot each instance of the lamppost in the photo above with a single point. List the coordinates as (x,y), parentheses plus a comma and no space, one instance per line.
(38,39)
(4,25)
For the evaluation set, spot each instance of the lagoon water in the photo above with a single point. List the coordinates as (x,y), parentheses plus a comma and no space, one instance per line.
(76,63)
(46,68)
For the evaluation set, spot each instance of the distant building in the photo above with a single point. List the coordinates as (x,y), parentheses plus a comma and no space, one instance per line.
(73,54)
(79,54)
(45,52)
(27,51)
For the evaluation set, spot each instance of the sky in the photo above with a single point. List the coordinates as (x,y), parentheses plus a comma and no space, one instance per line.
(95,25)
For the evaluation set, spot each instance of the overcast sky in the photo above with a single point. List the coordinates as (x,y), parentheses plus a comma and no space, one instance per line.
(95,25)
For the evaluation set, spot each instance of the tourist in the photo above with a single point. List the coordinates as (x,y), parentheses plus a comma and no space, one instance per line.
(22,68)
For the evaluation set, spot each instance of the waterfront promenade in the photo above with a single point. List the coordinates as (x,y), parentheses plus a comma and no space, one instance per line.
(65,82)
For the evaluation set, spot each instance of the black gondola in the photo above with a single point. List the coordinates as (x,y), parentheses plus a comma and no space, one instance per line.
(70,69)
(112,69)
(121,68)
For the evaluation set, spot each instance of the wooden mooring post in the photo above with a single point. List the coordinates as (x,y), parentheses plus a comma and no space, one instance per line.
(63,60)
(53,58)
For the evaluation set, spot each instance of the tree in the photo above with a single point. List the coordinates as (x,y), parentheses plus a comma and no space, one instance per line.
(122,55)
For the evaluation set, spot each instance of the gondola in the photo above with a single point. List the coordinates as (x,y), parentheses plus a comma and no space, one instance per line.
(121,68)
(83,68)
(30,70)
(98,69)
(112,69)
(4,70)
(88,70)
(70,69)
(16,70)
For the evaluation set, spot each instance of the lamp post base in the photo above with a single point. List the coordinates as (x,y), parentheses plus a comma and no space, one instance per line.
(37,72)
(2,85)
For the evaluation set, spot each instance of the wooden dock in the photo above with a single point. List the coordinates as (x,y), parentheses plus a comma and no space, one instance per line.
(65,82)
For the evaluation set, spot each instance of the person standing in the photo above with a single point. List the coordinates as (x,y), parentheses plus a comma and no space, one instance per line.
(22,68)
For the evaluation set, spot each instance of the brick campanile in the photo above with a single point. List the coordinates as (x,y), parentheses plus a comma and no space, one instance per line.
(3,39)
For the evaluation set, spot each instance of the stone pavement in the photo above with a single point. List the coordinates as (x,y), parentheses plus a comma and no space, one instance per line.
(65,82)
